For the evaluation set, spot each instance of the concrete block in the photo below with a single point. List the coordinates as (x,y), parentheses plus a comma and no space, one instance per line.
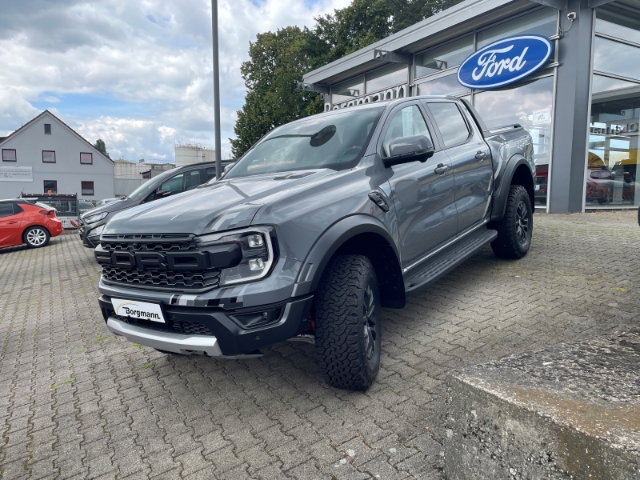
(569,411)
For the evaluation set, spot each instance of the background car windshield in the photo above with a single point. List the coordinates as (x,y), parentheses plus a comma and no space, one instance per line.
(149,185)
(326,141)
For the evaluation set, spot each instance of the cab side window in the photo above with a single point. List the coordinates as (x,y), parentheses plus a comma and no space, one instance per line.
(405,123)
(173,185)
(208,173)
(452,126)
(192,179)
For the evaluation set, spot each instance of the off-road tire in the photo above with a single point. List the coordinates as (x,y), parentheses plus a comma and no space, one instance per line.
(36,237)
(347,323)
(510,242)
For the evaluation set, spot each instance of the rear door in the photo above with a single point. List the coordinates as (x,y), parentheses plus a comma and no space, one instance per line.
(10,221)
(422,193)
(470,161)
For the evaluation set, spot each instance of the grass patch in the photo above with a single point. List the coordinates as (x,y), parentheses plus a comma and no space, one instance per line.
(56,385)
(148,365)
(137,345)
(101,338)
(621,289)
(78,352)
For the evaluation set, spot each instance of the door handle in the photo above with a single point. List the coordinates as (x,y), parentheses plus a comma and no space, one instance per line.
(480,155)
(441,169)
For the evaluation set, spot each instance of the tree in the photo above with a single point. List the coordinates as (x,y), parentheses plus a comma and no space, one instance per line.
(278,60)
(101,147)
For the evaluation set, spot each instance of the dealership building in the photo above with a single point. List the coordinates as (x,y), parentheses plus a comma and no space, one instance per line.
(581,104)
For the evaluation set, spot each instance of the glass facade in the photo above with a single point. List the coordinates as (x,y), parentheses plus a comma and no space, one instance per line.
(530,105)
(612,163)
(444,57)
(387,77)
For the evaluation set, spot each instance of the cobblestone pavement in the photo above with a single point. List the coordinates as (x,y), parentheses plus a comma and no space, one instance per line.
(78,402)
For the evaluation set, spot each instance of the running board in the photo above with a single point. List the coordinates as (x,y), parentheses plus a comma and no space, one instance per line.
(443,262)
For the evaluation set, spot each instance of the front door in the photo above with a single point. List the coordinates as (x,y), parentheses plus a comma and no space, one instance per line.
(470,161)
(422,193)
(10,218)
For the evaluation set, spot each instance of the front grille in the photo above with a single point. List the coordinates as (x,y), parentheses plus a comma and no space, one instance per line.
(174,280)
(185,328)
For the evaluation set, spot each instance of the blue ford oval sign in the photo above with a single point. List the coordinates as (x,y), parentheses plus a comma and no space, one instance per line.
(505,61)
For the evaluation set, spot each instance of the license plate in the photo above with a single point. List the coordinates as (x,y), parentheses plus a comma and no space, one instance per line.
(138,310)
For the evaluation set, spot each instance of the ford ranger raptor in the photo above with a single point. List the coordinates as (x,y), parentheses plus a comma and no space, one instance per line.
(320,225)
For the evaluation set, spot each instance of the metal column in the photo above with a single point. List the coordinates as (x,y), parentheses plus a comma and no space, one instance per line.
(216,86)
(572,109)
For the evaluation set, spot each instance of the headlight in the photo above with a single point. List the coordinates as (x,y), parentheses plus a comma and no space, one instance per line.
(257,253)
(95,218)
(96,231)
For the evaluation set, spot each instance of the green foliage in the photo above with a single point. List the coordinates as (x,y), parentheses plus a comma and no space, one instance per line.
(101,147)
(278,60)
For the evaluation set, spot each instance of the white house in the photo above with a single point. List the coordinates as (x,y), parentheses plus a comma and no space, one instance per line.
(47,156)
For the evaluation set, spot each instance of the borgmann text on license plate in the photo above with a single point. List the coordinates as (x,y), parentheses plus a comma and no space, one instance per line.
(138,310)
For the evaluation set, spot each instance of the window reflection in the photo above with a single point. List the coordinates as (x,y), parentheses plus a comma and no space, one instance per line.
(603,84)
(530,106)
(446,56)
(619,26)
(387,77)
(441,86)
(614,57)
(613,148)
(348,90)
(540,22)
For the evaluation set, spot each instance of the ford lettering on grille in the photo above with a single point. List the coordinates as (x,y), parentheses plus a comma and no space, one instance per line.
(505,61)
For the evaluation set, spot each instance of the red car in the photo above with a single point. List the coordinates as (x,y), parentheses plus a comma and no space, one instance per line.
(27,222)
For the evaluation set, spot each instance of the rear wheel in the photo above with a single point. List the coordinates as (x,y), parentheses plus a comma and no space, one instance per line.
(347,323)
(36,237)
(516,227)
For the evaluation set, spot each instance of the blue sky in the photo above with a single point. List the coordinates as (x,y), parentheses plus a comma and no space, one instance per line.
(136,74)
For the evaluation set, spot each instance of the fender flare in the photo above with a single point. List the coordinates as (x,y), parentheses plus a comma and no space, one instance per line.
(500,197)
(328,244)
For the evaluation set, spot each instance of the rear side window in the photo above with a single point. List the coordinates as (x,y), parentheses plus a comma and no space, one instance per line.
(6,209)
(192,179)
(452,126)
(209,173)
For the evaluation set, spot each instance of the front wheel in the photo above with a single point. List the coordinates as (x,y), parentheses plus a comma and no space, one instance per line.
(516,227)
(36,237)
(348,323)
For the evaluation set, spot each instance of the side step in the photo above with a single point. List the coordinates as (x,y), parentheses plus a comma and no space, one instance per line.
(444,261)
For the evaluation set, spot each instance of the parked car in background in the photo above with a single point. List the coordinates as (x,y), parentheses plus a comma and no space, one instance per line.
(84,206)
(105,201)
(169,183)
(27,222)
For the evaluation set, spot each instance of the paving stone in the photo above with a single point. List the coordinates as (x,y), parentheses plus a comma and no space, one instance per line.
(77,398)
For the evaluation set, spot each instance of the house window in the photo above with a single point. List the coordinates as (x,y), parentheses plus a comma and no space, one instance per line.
(8,155)
(87,188)
(86,158)
(50,186)
(48,156)
(47,129)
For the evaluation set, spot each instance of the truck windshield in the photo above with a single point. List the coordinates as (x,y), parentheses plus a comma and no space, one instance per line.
(335,140)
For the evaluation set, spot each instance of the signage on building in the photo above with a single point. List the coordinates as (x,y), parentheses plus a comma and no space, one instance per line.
(505,62)
(16,174)
(618,128)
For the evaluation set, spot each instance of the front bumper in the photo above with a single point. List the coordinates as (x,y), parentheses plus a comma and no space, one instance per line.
(86,233)
(224,335)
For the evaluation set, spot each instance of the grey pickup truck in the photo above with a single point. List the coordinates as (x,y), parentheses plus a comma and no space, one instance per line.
(320,225)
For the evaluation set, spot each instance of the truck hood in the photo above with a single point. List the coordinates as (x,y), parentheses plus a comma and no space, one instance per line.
(219,206)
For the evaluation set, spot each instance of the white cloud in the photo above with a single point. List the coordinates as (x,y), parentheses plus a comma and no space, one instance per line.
(136,74)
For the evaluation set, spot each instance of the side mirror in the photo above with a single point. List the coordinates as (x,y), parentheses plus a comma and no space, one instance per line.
(162,193)
(409,149)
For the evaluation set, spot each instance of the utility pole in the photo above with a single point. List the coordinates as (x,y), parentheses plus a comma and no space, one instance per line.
(216,86)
